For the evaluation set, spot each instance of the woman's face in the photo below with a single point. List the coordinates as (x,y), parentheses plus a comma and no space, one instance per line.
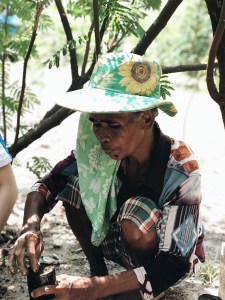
(120,134)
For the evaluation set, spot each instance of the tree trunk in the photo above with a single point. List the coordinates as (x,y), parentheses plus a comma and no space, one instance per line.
(216,9)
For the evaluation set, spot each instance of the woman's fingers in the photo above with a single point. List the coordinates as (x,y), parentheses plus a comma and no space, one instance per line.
(44,290)
(29,244)
(32,242)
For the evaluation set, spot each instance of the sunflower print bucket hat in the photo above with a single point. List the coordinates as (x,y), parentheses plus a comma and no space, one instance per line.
(120,82)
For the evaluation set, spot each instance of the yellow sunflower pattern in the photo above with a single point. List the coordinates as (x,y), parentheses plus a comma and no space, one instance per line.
(139,78)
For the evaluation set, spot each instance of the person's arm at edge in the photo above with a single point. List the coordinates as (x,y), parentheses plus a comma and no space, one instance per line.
(8,193)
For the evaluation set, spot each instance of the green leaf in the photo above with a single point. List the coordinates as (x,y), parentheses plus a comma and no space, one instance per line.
(165,86)
(39,166)
(64,50)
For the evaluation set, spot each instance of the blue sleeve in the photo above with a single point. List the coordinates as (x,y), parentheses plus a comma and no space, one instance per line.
(5,157)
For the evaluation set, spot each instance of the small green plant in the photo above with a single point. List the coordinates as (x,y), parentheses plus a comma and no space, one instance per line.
(38,166)
(165,86)
(209,273)
(55,59)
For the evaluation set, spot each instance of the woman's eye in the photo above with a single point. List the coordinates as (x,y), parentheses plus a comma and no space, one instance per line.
(110,125)
(114,126)
(96,125)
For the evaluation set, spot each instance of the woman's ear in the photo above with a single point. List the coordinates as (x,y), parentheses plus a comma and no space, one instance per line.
(149,117)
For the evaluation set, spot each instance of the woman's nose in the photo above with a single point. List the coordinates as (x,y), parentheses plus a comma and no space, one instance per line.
(104,135)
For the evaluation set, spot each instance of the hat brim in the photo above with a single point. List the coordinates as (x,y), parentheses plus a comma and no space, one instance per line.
(94,100)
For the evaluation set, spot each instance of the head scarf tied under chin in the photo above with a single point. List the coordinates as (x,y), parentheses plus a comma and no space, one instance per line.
(97,180)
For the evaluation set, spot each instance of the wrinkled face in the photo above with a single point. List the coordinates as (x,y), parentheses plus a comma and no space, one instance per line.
(120,134)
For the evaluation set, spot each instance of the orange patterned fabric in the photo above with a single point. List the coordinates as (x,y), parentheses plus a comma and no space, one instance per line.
(182,153)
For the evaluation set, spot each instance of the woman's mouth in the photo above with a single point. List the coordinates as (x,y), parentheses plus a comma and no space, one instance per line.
(108,151)
(113,153)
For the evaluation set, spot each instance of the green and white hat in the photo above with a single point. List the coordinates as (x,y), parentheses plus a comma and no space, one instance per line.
(120,82)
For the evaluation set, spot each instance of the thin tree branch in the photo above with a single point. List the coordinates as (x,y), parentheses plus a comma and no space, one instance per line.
(39,129)
(103,27)
(215,95)
(69,36)
(87,49)
(96,23)
(87,75)
(186,68)
(115,42)
(157,26)
(101,34)
(27,56)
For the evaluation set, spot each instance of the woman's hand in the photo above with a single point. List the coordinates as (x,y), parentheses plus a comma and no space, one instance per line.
(29,244)
(69,287)
(82,288)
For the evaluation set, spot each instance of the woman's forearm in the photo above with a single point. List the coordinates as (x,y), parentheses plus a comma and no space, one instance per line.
(115,284)
(35,208)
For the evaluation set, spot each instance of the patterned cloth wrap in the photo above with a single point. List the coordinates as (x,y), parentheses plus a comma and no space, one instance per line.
(145,214)
(97,180)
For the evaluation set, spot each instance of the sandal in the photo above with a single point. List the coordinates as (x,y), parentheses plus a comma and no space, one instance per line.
(208,297)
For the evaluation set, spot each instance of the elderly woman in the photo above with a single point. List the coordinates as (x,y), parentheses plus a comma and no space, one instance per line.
(131,194)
